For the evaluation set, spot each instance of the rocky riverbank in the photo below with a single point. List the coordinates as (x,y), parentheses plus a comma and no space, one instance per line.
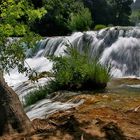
(111,115)
(100,117)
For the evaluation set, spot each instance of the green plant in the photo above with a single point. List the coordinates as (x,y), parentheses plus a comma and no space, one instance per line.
(80,21)
(17,22)
(99,27)
(72,72)
(40,93)
(35,96)
(77,72)
(135,17)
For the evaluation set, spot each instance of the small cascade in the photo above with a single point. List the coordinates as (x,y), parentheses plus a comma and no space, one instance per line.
(45,107)
(118,47)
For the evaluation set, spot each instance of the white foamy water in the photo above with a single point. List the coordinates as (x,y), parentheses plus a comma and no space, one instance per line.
(123,56)
(118,47)
(20,83)
(46,107)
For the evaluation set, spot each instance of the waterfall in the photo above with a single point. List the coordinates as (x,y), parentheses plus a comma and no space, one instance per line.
(118,47)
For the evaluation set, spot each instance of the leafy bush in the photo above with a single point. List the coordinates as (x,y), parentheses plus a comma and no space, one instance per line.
(80,21)
(18,16)
(78,72)
(62,20)
(40,93)
(72,72)
(35,96)
(135,17)
(99,27)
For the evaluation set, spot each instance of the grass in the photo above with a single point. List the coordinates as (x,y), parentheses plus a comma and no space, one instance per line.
(79,72)
(73,72)
(36,95)
(39,94)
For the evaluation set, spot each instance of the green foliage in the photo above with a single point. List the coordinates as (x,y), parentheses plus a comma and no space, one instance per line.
(35,96)
(80,21)
(100,11)
(15,19)
(16,16)
(40,93)
(78,72)
(13,52)
(60,17)
(99,27)
(120,10)
(135,17)
(106,12)
(73,72)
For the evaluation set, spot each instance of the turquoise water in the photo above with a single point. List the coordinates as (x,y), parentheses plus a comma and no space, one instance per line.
(125,86)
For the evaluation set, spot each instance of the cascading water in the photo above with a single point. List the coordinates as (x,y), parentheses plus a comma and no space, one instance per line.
(118,47)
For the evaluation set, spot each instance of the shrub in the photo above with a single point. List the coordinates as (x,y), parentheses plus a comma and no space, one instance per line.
(135,17)
(80,21)
(78,72)
(99,27)
(35,96)
(72,72)
(39,93)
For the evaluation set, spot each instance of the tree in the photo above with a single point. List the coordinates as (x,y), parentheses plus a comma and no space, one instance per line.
(99,11)
(59,13)
(80,21)
(120,11)
(135,17)
(15,17)
(106,12)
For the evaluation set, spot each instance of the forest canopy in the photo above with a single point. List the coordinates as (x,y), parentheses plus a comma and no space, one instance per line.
(63,16)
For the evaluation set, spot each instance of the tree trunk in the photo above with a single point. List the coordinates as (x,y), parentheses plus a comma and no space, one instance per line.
(13,119)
